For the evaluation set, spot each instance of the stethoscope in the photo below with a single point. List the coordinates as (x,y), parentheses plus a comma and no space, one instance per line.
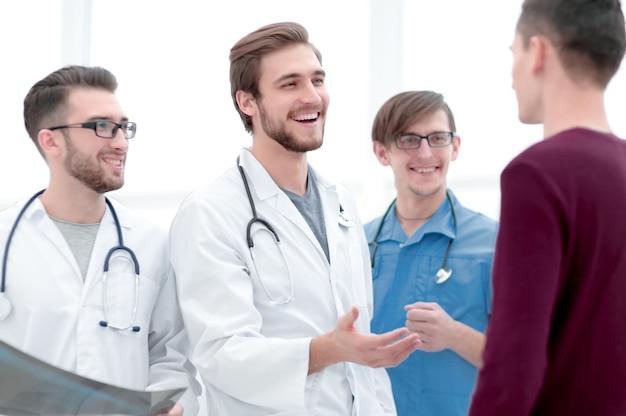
(5,304)
(344,219)
(267,227)
(444,272)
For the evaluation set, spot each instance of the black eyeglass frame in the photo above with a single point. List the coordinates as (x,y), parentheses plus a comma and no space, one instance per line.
(450,135)
(127,127)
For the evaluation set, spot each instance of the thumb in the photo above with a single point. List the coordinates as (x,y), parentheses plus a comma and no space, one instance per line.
(347,320)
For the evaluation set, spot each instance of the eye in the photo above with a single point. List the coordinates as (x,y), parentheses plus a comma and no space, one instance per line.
(409,139)
(439,138)
(102,125)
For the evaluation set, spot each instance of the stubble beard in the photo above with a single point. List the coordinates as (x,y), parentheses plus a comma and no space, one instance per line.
(278,132)
(92,176)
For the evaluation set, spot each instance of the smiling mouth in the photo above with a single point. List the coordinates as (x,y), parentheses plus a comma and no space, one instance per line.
(424,170)
(114,162)
(306,118)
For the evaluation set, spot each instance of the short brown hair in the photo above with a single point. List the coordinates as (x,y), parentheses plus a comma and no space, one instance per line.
(404,109)
(46,101)
(246,54)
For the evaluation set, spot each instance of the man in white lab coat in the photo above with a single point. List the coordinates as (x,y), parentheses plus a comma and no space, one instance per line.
(278,308)
(55,304)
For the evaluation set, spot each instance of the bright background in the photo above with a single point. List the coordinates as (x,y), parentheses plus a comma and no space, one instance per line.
(171,61)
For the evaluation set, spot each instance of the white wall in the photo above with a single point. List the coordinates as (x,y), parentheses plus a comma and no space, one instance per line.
(171,60)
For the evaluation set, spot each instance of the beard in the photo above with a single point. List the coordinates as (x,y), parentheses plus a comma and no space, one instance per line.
(91,175)
(277,131)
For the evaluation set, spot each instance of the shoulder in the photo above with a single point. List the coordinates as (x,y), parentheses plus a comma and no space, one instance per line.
(372,225)
(475,230)
(478,219)
(219,194)
(137,222)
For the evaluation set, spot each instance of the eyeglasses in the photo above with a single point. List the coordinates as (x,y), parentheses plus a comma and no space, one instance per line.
(413,141)
(104,128)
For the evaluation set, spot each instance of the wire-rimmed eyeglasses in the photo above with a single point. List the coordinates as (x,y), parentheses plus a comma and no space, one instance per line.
(413,141)
(104,128)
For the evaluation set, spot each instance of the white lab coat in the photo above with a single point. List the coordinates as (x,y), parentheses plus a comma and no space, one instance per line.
(254,355)
(55,314)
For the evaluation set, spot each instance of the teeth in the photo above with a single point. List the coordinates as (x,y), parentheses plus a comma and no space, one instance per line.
(425,170)
(304,117)
(114,162)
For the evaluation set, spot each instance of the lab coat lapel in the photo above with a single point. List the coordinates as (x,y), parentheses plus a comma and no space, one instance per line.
(37,214)
(264,189)
(330,202)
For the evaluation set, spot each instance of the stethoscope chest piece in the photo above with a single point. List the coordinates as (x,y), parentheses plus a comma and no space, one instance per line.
(5,307)
(344,218)
(442,275)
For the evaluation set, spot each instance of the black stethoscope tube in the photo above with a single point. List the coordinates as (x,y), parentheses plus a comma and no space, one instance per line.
(444,272)
(120,246)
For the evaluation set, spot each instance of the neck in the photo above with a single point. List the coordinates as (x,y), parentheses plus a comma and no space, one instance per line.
(288,169)
(413,211)
(71,205)
(573,107)
(402,218)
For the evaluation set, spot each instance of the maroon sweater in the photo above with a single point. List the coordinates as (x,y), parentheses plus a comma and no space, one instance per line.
(556,341)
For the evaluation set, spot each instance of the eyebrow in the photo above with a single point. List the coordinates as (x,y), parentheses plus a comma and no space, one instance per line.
(106,118)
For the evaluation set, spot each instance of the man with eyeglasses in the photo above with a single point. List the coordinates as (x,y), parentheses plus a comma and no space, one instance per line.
(431,258)
(86,284)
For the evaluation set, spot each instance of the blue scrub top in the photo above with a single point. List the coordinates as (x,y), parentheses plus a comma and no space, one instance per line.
(433,383)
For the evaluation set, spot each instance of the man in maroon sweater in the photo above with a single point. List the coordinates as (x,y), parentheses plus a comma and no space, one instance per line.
(556,342)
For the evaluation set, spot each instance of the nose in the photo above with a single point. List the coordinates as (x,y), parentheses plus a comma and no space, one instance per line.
(311,94)
(119,140)
(424,151)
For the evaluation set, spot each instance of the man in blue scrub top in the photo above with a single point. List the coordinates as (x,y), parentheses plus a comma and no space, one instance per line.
(431,258)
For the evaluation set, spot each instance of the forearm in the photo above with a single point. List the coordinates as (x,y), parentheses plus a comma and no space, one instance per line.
(469,344)
(322,353)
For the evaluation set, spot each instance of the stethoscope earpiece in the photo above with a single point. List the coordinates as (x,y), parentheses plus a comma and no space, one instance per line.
(105,324)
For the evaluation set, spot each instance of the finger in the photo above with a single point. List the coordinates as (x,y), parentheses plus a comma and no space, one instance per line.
(347,320)
(394,354)
(419,315)
(420,305)
(382,340)
(163,411)
(416,326)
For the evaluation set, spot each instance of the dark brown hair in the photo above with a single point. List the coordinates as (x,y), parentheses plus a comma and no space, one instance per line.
(46,101)
(589,34)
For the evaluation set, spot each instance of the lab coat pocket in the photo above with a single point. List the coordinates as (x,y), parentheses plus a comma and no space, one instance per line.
(128,300)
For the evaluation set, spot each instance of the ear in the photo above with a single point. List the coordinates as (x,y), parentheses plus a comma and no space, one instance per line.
(246,102)
(456,144)
(538,48)
(381,153)
(49,142)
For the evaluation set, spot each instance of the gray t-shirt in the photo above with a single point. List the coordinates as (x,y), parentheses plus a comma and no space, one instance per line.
(80,238)
(310,206)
